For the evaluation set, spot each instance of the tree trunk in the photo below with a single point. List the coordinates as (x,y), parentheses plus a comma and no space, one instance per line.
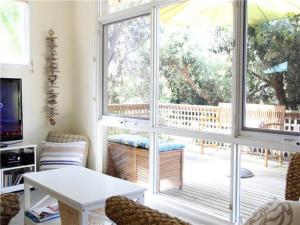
(276,81)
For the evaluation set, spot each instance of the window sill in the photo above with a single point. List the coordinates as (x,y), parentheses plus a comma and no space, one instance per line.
(16,67)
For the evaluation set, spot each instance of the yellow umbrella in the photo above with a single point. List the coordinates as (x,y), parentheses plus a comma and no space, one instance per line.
(220,12)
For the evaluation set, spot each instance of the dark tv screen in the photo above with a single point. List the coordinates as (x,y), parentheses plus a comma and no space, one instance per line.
(11,126)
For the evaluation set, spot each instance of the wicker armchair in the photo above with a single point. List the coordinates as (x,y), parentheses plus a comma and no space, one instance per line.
(292,191)
(9,207)
(124,211)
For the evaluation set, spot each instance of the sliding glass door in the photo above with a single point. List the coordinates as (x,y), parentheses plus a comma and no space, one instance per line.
(199,99)
(195,82)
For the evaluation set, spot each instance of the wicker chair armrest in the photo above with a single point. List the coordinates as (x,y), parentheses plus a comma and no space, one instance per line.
(10,206)
(292,191)
(124,211)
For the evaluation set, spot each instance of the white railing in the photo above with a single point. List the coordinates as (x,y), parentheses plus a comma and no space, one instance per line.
(202,117)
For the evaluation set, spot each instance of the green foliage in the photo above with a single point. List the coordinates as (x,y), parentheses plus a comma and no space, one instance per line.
(193,75)
(270,44)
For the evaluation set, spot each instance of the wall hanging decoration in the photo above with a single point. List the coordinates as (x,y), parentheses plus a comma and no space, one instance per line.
(52,72)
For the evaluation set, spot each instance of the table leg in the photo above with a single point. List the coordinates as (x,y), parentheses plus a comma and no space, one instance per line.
(84,217)
(141,199)
(137,197)
(26,196)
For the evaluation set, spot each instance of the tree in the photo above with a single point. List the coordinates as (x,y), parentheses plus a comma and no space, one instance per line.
(128,60)
(270,44)
(192,74)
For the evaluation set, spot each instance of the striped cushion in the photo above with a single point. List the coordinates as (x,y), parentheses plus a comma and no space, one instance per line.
(59,137)
(58,155)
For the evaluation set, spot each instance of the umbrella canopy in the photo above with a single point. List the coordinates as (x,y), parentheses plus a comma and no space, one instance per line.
(220,12)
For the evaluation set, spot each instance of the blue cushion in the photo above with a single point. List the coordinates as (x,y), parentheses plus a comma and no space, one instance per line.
(142,142)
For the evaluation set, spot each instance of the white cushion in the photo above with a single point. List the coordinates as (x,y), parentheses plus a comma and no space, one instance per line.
(276,213)
(58,155)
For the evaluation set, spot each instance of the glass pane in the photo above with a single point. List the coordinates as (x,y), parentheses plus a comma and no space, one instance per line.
(13,31)
(127,59)
(110,6)
(263,177)
(195,50)
(128,155)
(272,91)
(196,174)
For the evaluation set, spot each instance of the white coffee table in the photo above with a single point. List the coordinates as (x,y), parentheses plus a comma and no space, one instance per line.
(81,189)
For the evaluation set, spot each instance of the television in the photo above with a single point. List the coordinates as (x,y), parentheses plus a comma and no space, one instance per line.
(11,121)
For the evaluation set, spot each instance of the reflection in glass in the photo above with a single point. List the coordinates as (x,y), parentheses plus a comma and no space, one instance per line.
(127,60)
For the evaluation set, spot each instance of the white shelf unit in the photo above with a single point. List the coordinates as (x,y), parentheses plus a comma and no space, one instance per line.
(18,169)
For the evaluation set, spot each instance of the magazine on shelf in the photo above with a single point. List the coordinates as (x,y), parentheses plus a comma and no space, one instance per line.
(42,214)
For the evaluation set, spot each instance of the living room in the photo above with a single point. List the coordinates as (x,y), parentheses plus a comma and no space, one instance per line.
(195,104)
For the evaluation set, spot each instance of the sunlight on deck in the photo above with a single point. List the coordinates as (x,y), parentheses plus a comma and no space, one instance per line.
(206,181)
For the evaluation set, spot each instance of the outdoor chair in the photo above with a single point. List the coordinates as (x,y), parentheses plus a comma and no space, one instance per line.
(259,116)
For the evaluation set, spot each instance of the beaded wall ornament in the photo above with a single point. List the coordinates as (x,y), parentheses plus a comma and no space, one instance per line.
(52,71)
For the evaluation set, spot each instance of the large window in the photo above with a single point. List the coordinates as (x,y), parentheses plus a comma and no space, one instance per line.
(14,44)
(190,87)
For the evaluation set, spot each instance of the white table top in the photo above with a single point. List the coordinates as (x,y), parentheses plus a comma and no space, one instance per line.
(80,187)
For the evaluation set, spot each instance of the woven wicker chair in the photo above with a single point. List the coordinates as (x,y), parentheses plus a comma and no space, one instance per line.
(124,211)
(10,206)
(292,191)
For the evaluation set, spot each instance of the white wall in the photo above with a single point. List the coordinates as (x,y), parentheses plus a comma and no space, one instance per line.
(74,23)
(84,71)
(43,16)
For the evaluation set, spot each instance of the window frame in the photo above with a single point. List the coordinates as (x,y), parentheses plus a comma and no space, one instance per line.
(238,136)
(104,42)
(27,64)
(289,141)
